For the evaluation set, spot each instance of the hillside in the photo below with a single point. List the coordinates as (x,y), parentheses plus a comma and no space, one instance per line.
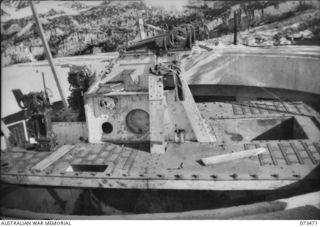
(84,27)
(296,28)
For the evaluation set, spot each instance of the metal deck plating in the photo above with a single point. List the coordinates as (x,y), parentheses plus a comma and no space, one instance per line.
(106,165)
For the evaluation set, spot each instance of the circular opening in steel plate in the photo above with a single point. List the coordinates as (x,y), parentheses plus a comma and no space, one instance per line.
(107,127)
(137,121)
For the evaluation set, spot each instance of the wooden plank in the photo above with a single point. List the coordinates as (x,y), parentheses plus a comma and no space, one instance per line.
(156,114)
(198,124)
(232,156)
(52,157)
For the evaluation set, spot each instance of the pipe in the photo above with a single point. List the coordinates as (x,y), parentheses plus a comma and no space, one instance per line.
(235,28)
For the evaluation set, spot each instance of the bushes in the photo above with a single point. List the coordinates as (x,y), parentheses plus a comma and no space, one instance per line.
(40,57)
(303,7)
(14,55)
(18,57)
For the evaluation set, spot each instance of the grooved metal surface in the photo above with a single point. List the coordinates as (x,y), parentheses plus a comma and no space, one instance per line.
(287,153)
(253,109)
(269,107)
(284,161)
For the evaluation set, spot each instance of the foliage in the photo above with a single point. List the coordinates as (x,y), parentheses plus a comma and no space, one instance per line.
(303,7)
(19,58)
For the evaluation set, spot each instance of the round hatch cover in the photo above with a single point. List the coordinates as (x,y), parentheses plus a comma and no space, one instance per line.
(138,121)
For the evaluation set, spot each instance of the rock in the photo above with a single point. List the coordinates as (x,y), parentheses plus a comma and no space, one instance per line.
(284,41)
(250,42)
(306,34)
(295,26)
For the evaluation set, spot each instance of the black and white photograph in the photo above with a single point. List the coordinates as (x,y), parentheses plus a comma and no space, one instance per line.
(160,110)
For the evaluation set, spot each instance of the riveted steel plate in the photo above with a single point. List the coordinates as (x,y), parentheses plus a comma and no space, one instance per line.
(284,163)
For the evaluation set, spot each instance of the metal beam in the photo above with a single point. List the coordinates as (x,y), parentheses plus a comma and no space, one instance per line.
(156,112)
(48,53)
(200,128)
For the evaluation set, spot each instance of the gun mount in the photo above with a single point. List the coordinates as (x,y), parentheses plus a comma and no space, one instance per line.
(37,109)
(177,39)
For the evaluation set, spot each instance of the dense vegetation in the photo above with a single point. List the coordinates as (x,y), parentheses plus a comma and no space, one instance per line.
(112,25)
